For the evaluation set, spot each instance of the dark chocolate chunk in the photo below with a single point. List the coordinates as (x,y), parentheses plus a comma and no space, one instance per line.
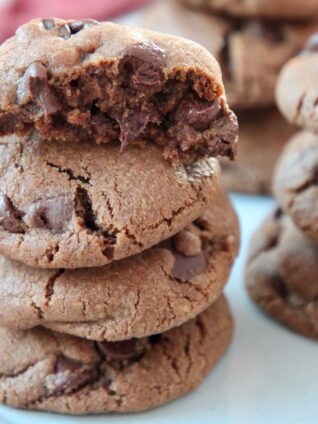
(197,113)
(145,66)
(311,45)
(48,23)
(127,350)
(69,376)
(53,214)
(184,267)
(34,85)
(10,217)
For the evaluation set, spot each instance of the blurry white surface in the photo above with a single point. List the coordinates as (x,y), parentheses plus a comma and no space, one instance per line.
(269,375)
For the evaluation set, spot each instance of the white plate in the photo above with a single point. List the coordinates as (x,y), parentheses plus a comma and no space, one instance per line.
(269,376)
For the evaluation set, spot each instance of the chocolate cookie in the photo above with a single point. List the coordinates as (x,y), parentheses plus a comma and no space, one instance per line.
(295,182)
(60,373)
(273,9)
(138,296)
(281,274)
(76,205)
(263,134)
(297,91)
(104,82)
(249,73)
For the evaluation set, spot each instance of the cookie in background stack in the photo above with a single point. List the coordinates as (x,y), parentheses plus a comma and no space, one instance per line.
(108,150)
(281,272)
(251,42)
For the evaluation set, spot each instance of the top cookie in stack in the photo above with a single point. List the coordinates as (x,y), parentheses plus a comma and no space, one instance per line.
(114,134)
(251,40)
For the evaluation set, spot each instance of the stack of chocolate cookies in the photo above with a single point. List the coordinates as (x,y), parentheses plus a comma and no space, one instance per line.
(251,40)
(115,237)
(283,265)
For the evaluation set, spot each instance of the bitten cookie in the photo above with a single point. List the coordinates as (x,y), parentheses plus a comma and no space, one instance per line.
(297,91)
(263,134)
(74,205)
(249,74)
(101,81)
(146,294)
(273,9)
(295,182)
(60,373)
(281,274)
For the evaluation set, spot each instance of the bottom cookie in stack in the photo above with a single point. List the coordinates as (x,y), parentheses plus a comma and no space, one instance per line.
(263,134)
(62,373)
(281,274)
(142,306)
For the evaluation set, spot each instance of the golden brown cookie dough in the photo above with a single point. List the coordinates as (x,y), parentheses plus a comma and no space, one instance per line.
(281,274)
(142,295)
(105,82)
(263,134)
(250,52)
(296,90)
(70,205)
(61,373)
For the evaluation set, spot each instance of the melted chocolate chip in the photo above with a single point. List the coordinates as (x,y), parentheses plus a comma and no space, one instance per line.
(10,217)
(48,23)
(53,214)
(126,351)
(70,375)
(311,45)
(184,267)
(145,65)
(198,113)
(134,123)
(35,85)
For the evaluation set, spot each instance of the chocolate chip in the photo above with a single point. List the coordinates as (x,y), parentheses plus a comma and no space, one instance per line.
(69,376)
(145,66)
(263,30)
(311,45)
(127,350)
(34,86)
(278,213)
(184,267)
(197,113)
(77,26)
(48,23)
(10,217)
(187,243)
(64,31)
(53,214)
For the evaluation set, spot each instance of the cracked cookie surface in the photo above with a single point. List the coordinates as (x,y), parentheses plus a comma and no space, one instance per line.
(148,293)
(295,182)
(66,374)
(281,274)
(296,91)
(263,134)
(273,9)
(104,82)
(249,74)
(70,205)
